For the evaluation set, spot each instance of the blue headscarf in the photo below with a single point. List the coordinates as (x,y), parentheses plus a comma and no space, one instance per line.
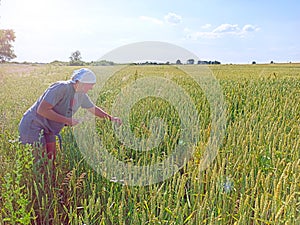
(83,75)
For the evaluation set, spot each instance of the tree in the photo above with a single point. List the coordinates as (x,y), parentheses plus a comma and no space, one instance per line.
(75,59)
(190,61)
(76,56)
(6,48)
(178,62)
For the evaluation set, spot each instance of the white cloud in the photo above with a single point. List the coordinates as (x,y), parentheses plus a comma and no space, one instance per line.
(227,28)
(170,18)
(173,18)
(152,20)
(250,28)
(221,31)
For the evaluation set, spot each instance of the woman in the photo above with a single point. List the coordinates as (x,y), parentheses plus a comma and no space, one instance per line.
(54,109)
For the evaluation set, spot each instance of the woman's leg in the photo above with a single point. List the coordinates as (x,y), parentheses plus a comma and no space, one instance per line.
(51,154)
(50,146)
(44,152)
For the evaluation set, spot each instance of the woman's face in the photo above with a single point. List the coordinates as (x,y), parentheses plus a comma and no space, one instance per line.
(83,87)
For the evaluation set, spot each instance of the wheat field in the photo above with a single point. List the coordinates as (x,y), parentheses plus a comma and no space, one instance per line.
(254,178)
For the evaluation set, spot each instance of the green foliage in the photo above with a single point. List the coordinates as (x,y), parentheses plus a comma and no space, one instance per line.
(6,48)
(102,63)
(58,63)
(15,197)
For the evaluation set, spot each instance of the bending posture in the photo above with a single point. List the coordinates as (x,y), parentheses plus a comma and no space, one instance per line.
(54,109)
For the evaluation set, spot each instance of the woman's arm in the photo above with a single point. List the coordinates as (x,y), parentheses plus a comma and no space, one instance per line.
(102,114)
(45,109)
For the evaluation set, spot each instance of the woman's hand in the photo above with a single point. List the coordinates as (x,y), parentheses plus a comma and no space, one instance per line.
(116,120)
(72,122)
(102,114)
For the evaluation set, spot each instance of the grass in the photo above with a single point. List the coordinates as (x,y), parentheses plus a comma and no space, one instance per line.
(254,178)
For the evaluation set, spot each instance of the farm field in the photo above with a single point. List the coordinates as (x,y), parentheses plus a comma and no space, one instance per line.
(254,178)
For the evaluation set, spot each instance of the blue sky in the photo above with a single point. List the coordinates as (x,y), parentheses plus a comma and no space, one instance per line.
(230,31)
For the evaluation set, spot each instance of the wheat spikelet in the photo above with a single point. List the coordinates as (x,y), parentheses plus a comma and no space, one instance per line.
(68,178)
(80,180)
(61,191)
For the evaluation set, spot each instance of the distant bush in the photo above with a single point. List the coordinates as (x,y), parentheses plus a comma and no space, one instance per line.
(59,63)
(77,63)
(102,63)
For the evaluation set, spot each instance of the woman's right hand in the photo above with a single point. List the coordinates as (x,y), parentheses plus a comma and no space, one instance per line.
(72,122)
